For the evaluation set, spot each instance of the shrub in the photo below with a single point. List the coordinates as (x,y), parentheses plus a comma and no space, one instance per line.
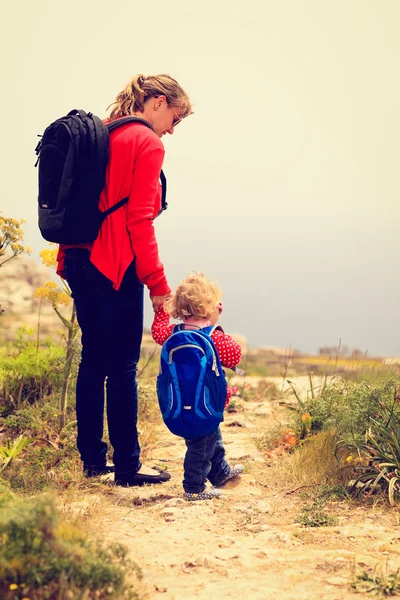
(381,453)
(42,557)
(348,408)
(28,373)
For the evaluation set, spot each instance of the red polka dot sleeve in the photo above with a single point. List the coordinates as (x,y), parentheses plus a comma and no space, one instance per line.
(161,328)
(228,350)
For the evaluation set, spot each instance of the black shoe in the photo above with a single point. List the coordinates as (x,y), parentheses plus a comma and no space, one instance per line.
(97,470)
(135,479)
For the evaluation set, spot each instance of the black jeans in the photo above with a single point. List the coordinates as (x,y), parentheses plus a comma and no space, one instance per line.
(112,325)
(204,459)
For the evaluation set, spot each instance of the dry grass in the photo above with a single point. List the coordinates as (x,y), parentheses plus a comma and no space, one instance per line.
(342,363)
(312,463)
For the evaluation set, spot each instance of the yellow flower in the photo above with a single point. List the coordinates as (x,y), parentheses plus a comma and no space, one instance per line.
(13,586)
(50,293)
(49,257)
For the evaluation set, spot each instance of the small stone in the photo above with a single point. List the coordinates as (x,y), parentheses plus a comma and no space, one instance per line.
(226,542)
(226,554)
(263,506)
(160,589)
(336,581)
(169,514)
(239,423)
(175,502)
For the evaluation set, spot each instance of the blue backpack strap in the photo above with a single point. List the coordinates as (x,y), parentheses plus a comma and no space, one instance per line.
(211,328)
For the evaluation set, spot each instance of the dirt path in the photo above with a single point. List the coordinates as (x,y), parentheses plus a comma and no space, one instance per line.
(247,544)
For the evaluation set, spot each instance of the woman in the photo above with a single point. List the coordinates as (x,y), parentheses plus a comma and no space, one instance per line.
(107,277)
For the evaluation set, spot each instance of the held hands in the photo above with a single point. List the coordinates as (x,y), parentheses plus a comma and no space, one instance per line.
(158,300)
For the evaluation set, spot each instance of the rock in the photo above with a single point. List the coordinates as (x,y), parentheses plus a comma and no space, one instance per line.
(239,423)
(261,554)
(263,409)
(226,554)
(226,542)
(262,506)
(175,502)
(206,561)
(267,537)
(169,514)
(336,581)
(240,452)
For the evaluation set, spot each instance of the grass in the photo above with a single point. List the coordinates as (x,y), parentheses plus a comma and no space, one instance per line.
(313,515)
(312,463)
(44,557)
(378,581)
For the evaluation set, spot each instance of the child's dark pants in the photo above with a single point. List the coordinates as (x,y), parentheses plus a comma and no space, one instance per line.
(205,459)
(111,322)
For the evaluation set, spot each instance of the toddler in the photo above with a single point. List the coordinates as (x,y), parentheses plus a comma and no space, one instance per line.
(197,303)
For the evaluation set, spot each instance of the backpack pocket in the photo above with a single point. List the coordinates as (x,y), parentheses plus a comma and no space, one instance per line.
(166,394)
(56,165)
(214,394)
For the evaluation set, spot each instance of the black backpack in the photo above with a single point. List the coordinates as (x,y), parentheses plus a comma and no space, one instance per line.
(72,159)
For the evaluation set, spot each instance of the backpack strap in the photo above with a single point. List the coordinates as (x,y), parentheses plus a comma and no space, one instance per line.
(124,121)
(112,127)
(209,331)
(211,328)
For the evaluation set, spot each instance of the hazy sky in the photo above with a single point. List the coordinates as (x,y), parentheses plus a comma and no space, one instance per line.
(284,185)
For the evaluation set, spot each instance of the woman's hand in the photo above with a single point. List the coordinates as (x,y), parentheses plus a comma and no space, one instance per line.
(157,301)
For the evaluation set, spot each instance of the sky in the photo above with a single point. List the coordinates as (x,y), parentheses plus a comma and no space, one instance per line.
(284,183)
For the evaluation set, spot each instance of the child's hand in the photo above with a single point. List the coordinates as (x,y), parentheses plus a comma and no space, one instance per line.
(231,392)
(157,301)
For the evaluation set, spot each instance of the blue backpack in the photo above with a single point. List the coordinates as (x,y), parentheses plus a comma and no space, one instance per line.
(191,386)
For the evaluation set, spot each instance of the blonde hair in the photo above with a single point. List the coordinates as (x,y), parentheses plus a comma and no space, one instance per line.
(196,296)
(142,87)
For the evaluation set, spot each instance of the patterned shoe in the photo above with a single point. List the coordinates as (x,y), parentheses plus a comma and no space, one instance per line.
(234,472)
(209,494)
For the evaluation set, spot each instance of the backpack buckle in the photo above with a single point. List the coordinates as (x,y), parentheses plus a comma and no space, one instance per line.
(38,145)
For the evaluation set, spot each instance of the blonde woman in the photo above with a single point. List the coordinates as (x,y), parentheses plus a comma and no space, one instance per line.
(197,303)
(108,275)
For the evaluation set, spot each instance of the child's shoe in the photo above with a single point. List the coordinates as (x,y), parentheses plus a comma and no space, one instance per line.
(234,472)
(209,494)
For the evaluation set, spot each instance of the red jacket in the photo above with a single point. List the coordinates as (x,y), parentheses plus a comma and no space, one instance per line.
(136,155)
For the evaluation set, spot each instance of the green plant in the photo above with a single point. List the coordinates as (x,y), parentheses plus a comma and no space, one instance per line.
(377,580)
(55,297)
(313,515)
(42,557)
(382,453)
(27,373)
(348,408)
(12,449)
(303,421)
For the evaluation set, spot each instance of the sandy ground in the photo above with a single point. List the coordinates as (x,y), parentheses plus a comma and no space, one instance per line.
(246,544)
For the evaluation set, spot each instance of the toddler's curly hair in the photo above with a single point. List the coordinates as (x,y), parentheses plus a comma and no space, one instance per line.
(196,297)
